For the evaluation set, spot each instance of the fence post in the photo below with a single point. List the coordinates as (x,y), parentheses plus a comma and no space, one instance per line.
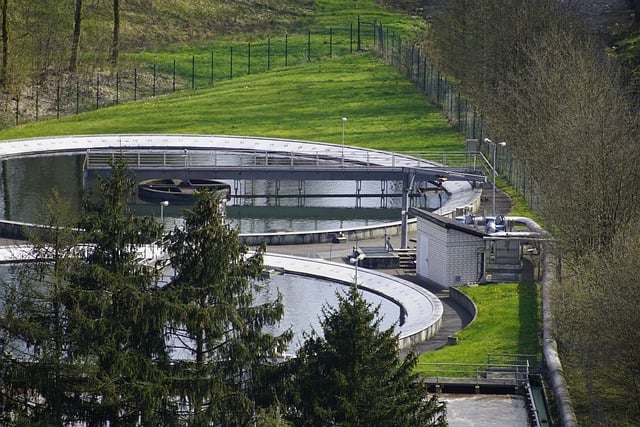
(193,71)
(174,75)
(374,30)
(438,89)
(286,49)
(412,67)
(359,47)
(98,91)
(416,78)
(249,58)
(269,53)
(309,45)
(153,91)
(135,84)
(387,46)
(117,87)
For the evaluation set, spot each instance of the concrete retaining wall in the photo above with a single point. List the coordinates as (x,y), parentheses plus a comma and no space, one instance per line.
(17,230)
(465,302)
(409,341)
(326,236)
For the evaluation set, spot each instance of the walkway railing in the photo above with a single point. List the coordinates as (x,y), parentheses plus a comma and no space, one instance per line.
(474,373)
(307,162)
(217,157)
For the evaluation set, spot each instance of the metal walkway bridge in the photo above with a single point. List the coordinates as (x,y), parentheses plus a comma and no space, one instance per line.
(300,166)
(217,163)
(241,160)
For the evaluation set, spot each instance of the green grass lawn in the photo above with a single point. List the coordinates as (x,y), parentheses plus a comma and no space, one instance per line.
(306,102)
(508,321)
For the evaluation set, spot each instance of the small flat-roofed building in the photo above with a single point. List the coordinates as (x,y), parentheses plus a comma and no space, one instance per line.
(448,251)
(471,249)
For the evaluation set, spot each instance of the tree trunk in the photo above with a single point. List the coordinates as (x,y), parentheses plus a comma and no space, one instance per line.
(635,7)
(75,41)
(5,46)
(116,32)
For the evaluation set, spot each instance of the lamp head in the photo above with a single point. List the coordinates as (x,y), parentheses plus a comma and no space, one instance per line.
(488,141)
(344,119)
(164,203)
(502,144)
(355,260)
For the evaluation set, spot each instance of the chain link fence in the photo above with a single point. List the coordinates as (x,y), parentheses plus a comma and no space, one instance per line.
(410,61)
(73,93)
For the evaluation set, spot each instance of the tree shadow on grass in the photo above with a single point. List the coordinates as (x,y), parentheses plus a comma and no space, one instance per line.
(529,311)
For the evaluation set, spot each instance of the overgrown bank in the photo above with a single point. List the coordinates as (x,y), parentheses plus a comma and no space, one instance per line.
(542,83)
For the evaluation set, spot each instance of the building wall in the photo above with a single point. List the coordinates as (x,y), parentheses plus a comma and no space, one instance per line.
(463,258)
(431,256)
(447,256)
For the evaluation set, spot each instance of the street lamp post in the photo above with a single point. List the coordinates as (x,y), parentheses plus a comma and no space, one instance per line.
(356,260)
(344,120)
(163,204)
(493,168)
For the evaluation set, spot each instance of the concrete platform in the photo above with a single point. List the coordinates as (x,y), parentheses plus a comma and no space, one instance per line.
(486,410)
(377,257)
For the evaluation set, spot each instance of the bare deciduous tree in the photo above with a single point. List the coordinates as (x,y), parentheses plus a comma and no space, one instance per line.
(75,41)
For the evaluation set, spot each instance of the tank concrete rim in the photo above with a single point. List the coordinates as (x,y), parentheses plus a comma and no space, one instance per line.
(423,310)
(461,191)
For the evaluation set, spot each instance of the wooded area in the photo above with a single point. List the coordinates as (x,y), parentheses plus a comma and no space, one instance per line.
(43,39)
(543,83)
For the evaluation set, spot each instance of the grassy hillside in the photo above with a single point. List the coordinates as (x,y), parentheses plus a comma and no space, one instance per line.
(306,102)
(154,24)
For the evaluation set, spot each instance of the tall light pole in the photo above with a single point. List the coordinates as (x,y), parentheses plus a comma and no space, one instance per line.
(493,168)
(163,204)
(356,260)
(344,120)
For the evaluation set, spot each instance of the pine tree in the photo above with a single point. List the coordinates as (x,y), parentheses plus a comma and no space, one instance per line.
(219,333)
(353,375)
(118,308)
(34,327)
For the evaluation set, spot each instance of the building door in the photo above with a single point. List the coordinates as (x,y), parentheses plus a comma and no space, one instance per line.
(423,255)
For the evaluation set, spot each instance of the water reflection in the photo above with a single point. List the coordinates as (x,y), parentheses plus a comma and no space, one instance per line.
(27,182)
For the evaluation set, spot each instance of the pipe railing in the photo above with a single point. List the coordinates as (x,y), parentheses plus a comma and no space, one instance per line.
(472,371)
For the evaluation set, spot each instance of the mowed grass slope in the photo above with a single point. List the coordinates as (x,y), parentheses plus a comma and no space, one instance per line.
(508,321)
(306,102)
